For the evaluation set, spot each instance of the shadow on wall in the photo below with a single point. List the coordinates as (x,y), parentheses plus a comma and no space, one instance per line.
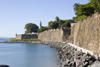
(27,36)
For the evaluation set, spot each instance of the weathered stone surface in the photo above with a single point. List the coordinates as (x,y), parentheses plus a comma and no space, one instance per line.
(95,64)
(86,33)
(54,35)
(27,36)
(70,57)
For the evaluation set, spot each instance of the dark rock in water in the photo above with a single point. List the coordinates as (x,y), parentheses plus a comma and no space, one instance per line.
(4,66)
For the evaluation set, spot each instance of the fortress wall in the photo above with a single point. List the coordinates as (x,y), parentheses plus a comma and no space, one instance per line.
(27,36)
(57,35)
(18,36)
(86,33)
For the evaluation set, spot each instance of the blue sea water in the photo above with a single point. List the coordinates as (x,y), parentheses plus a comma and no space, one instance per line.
(28,55)
(2,40)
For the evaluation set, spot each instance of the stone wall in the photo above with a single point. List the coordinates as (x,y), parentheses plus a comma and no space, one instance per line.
(86,33)
(27,36)
(57,35)
(18,36)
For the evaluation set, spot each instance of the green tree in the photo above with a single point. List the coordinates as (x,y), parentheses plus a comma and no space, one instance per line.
(74,19)
(56,24)
(67,24)
(95,4)
(61,22)
(42,29)
(31,27)
(76,5)
(57,18)
(84,10)
(40,24)
(51,25)
(70,21)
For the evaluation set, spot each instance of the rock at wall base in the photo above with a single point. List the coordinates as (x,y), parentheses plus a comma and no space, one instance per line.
(96,64)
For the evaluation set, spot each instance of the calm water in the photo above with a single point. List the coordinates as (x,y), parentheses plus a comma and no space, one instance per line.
(2,40)
(28,55)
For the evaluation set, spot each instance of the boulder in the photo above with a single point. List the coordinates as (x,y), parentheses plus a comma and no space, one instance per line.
(96,64)
(4,66)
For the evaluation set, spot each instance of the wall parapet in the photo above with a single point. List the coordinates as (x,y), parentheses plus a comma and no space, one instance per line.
(57,35)
(26,36)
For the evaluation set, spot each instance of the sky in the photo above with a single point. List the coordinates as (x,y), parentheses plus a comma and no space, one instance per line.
(14,14)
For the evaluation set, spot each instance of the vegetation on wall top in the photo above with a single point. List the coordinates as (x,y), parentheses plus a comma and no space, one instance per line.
(84,10)
(14,40)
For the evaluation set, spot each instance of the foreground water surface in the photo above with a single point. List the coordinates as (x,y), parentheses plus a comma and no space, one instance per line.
(28,55)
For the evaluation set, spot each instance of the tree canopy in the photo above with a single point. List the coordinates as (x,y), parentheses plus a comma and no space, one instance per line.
(42,29)
(57,18)
(84,10)
(40,24)
(31,27)
(51,25)
(67,25)
(58,23)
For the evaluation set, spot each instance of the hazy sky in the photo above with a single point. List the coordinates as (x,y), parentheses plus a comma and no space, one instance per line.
(14,14)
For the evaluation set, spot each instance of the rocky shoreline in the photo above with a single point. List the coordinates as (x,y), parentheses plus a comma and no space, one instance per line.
(69,56)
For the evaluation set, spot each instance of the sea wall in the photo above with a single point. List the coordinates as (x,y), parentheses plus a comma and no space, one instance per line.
(27,36)
(86,33)
(57,35)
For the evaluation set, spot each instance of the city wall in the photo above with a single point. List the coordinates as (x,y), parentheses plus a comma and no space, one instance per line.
(57,35)
(86,33)
(27,36)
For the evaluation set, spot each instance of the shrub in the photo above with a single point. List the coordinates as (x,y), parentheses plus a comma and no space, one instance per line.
(14,40)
